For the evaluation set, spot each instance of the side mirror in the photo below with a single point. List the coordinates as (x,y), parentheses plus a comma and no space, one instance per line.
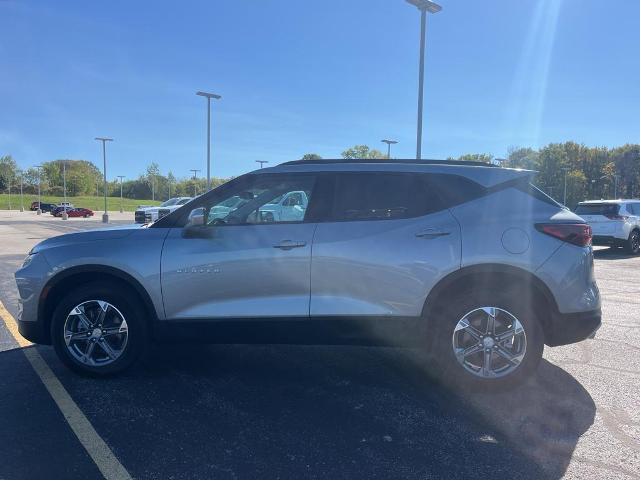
(196,217)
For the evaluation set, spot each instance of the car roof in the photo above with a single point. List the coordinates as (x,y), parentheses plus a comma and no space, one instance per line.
(485,174)
(600,202)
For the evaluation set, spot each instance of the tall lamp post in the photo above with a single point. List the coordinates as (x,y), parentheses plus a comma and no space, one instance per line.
(389,143)
(566,170)
(104,140)
(195,177)
(209,96)
(121,206)
(65,215)
(262,162)
(39,211)
(425,6)
(21,198)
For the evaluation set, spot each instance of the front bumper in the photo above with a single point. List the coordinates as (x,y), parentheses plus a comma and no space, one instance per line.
(566,328)
(34,332)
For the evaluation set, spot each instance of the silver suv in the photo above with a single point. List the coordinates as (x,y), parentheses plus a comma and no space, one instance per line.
(468,262)
(615,223)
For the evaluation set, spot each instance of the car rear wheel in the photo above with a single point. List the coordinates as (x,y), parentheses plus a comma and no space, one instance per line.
(99,329)
(487,339)
(633,243)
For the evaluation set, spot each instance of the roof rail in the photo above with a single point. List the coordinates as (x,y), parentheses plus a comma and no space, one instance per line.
(386,161)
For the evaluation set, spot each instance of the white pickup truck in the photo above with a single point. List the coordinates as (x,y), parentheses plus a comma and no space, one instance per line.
(151,214)
(289,207)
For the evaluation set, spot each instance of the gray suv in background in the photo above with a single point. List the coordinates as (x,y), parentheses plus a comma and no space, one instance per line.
(468,262)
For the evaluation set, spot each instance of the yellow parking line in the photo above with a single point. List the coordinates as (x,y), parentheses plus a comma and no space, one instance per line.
(95,446)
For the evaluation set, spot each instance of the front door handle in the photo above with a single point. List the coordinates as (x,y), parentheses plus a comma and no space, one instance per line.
(289,244)
(431,233)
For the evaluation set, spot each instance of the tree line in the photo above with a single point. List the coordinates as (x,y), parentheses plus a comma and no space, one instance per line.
(83,178)
(589,173)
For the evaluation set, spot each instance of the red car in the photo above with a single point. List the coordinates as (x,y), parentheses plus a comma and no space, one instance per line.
(76,212)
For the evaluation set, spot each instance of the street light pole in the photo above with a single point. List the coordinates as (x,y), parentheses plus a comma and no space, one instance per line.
(104,140)
(121,206)
(209,96)
(39,212)
(564,201)
(389,143)
(262,162)
(65,215)
(431,7)
(195,177)
(21,198)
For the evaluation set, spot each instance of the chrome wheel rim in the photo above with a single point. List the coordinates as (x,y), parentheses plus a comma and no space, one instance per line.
(96,333)
(489,342)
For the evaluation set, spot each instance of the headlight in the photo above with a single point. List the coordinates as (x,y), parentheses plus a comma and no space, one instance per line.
(28,260)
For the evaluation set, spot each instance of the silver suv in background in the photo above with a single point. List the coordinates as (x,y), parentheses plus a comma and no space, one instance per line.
(467,262)
(615,223)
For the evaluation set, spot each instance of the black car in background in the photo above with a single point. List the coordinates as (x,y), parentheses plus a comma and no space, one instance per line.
(45,207)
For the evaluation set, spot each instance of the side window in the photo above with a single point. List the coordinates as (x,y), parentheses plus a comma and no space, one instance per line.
(382,196)
(262,199)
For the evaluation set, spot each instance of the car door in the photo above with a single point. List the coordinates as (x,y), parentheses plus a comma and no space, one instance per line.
(387,240)
(240,263)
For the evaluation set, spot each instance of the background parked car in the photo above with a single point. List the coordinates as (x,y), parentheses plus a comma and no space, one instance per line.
(61,207)
(615,223)
(45,207)
(75,212)
(151,214)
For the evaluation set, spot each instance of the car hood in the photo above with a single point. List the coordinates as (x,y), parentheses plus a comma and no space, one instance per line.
(109,233)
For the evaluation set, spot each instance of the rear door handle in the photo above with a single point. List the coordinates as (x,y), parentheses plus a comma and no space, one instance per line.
(289,244)
(431,233)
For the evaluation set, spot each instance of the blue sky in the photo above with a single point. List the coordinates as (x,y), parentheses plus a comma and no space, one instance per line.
(300,77)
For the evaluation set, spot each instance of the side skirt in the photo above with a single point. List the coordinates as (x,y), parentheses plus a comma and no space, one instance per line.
(352,330)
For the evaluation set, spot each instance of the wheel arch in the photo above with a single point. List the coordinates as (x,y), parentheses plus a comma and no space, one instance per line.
(496,276)
(74,276)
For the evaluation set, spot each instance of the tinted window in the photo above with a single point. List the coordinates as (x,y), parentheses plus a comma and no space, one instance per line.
(455,190)
(382,196)
(598,209)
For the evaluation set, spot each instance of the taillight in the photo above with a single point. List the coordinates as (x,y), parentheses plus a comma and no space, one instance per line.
(574,233)
(616,217)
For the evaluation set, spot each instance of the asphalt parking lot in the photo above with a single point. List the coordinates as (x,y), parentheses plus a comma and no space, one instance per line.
(285,412)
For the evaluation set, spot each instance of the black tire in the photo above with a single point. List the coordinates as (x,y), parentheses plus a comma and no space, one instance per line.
(632,246)
(128,304)
(451,371)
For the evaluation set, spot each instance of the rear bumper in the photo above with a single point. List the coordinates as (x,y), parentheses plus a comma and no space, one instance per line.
(608,240)
(569,328)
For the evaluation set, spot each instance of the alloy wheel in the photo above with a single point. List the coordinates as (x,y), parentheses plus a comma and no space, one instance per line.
(96,333)
(489,342)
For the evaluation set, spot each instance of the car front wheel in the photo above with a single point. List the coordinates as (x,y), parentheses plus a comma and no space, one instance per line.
(487,339)
(99,329)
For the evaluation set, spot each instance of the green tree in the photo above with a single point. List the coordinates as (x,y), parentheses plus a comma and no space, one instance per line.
(526,158)
(363,152)
(8,171)
(476,157)
(311,156)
